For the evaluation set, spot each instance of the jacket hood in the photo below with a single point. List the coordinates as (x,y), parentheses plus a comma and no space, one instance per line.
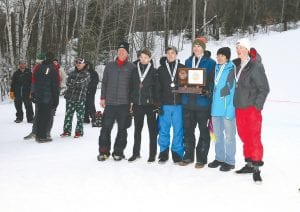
(255,55)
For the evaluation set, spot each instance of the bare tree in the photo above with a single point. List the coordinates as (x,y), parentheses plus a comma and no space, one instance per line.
(27,27)
(204,16)
(41,25)
(9,30)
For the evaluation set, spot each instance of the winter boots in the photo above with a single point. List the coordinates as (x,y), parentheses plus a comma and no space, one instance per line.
(18,121)
(163,156)
(176,158)
(185,162)
(117,157)
(252,168)
(30,136)
(151,160)
(199,165)
(103,156)
(247,169)
(43,140)
(133,158)
(225,167)
(215,164)
(78,135)
(256,176)
(65,134)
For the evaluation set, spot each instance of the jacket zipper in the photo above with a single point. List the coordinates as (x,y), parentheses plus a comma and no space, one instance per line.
(140,94)
(75,85)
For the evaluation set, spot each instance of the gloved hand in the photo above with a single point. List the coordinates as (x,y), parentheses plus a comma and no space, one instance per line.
(33,98)
(11,95)
(158,110)
(225,91)
(55,103)
(206,92)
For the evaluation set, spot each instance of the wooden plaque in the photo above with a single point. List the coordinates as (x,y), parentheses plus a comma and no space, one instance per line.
(191,80)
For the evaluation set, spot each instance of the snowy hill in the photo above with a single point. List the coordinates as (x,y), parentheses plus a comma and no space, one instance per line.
(64,175)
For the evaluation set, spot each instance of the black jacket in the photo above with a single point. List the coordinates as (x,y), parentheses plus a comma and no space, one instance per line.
(77,85)
(21,83)
(146,94)
(92,87)
(252,87)
(46,86)
(163,88)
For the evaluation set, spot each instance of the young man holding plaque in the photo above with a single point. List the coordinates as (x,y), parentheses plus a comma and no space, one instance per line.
(197,107)
(251,91)
(171,114)
(143,98)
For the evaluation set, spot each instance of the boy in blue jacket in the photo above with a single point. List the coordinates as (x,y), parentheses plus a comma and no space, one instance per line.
(223,112)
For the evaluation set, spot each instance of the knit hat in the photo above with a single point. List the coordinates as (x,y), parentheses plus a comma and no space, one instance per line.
(55,60)
(41,56)
(171,48)
(146,51)
(201,41)
(49,56)
(124,45)
(225,51)
(244,42)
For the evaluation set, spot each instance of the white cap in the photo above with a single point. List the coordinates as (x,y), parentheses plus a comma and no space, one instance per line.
(244,42)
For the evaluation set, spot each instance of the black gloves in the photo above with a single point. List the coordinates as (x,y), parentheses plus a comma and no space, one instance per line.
(33,98)
(158,110)
(55,102)
(225,91)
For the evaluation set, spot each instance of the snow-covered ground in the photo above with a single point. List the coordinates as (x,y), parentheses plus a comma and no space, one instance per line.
(64,175)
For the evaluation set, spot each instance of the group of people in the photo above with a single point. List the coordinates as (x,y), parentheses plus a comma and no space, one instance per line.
(232,98)
(43,85)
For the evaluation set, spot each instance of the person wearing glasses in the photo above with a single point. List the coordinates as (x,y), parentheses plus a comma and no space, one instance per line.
(75,95)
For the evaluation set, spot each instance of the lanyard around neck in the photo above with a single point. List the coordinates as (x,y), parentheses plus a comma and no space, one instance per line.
(218,76)
(174,71)
(143,76)
(194,62)
(243,65)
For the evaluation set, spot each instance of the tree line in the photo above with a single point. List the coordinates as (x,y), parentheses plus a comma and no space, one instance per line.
(93,28)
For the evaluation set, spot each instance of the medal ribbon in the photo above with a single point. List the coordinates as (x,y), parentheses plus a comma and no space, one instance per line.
(143,76)
(174,71)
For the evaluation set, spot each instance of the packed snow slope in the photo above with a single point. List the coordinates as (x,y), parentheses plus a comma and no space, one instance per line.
(64,175)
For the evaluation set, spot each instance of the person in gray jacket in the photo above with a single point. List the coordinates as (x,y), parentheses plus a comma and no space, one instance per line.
(115,99)
(251,91)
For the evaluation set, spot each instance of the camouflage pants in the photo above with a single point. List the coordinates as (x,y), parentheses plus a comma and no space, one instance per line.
(71,107)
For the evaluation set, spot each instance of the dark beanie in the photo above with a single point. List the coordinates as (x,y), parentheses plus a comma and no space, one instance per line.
(49,56)
(225,51)
(124,45)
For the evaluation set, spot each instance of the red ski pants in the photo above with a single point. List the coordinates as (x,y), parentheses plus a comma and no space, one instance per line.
(248,122)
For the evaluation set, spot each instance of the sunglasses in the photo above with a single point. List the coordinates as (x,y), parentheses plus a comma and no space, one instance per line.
(80,61)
